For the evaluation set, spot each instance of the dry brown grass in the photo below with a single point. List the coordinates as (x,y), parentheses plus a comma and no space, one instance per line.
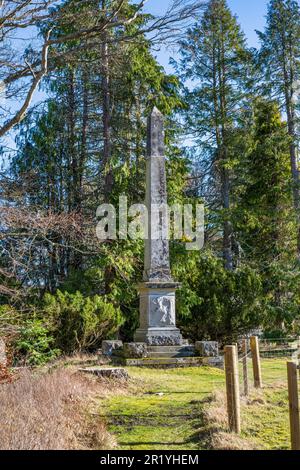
(52,410)
(5,375)
(216,420)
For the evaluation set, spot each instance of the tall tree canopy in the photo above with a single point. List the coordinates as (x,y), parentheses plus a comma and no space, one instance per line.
(280,61)
(216,61)
(231,119)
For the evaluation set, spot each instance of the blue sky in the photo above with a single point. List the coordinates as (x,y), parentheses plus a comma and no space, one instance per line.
(250,13)
(251,16)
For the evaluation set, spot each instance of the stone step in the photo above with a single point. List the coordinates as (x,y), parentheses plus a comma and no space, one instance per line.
(170,349)
(162,354)
(163,362)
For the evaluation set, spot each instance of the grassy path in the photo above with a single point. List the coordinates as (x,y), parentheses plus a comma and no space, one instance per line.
(162,408)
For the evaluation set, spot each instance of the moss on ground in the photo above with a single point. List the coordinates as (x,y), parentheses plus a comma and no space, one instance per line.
(265,415)
(163,409)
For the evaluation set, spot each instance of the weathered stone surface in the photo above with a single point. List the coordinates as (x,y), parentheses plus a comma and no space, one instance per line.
(165,339)
(3,357)
(157,315)
(156,137)
(135,350)
(163,363)
(157,293)
(111,373)
(217,362)
(207,348)
(157,262)
(109,347)
(170,351)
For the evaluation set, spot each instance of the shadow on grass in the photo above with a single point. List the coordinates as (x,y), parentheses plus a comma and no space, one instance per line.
(168,392)
(199,437)
(202,439)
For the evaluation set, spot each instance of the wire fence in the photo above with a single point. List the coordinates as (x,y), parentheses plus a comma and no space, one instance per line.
(277,372)
(279,347)
(245,381)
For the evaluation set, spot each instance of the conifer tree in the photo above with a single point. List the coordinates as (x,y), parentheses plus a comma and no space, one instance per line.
(65,147)
(267,196)
(280,62)
(214,58)
(264,217)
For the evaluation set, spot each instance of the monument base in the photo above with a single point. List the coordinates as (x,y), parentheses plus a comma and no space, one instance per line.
(157,314)
(159,336)
(141,354)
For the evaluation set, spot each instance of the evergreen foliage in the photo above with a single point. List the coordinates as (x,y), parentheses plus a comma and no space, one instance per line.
(231,142)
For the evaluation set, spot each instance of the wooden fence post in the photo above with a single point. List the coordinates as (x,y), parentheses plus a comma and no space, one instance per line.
(294,405)
(245,367)
(232,389)
(256,362)
(237,351)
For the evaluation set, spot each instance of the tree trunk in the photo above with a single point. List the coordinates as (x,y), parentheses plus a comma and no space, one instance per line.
(290,112)
(294,166)
(106,120)
(227,229)
(71,152)
(225,175)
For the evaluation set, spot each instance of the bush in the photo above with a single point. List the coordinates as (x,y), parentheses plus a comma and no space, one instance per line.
(214,303)
(36,343)
(81,322)
(27,336)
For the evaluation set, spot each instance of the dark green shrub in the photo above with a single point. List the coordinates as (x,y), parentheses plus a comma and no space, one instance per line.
(36,343)
(81,322)
(214,303)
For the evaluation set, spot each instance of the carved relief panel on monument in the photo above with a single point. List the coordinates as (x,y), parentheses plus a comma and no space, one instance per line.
(162,310)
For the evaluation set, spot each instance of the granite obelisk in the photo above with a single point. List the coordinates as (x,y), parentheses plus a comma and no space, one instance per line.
(157,292)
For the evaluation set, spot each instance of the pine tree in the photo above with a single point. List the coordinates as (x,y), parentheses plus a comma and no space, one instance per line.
(267,197)
(264,213)
(280,62)
(65,147)
(216,61)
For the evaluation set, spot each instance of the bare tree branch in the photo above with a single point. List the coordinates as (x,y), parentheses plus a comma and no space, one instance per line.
(37,77)
(162,29)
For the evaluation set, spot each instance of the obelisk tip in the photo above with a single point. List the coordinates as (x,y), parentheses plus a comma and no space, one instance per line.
(155,141)
(156,111)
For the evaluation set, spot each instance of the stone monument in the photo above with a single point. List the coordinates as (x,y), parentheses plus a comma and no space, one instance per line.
(157,292)
(157,342)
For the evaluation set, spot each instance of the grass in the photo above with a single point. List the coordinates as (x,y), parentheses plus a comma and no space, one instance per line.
(265,415)
(49,410)
(158,409)
(162,409)
(184,409)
